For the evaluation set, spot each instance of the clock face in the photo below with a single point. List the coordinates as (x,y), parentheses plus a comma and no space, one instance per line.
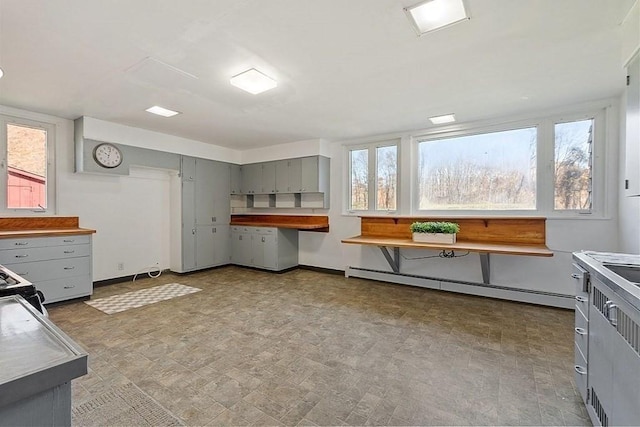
(107,155)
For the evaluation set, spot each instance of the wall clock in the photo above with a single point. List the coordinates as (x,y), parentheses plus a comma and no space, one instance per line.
(107,155)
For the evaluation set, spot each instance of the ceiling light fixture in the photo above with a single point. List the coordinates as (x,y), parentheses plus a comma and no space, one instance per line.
(434,14)
(253,81)
(446,118)
(161,111)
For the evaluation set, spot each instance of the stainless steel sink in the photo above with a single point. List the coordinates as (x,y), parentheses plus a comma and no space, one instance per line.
(629,272)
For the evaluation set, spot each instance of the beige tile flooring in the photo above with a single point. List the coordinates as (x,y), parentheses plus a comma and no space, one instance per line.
(309,348)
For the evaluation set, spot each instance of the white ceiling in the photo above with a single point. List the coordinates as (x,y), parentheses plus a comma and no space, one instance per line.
(345,68)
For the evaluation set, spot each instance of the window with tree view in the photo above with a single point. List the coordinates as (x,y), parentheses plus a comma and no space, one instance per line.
(489,171)
(373,175)
(573,160)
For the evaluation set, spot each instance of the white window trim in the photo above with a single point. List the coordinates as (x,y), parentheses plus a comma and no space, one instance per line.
(51,129)
(371,177)
(545,164)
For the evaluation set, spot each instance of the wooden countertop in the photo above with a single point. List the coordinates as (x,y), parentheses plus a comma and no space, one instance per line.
(299,222)
(494,248)
(12,227)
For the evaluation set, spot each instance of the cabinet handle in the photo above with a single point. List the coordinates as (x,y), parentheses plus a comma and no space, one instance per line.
(69,286)
(213,230)
(581,299)
(193,231)
(21,243)
(612,314)
(69,268)
(263,240)
(580,370)
(576,276)
(69,252)
(214,219)
(69,240)
(22,256)
(23,274)
(239,237)
(580,331)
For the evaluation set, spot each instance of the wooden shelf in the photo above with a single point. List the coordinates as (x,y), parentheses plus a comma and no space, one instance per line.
(11,227)
(299,222)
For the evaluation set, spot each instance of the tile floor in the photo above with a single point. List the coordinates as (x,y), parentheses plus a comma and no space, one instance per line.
(308,348)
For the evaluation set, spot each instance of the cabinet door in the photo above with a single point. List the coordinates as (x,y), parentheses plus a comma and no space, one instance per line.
(632,139)
(188,225)
(241,251)
(268,184)
(295,175)
(251,178)
(188,168)
(270,252)
(205,238)
(309,182)
(220,191)
(282,177)
(205,178)
(221,250)
(235,179)
(600,359)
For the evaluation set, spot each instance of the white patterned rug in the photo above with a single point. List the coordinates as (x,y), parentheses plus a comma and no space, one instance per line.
(135,299)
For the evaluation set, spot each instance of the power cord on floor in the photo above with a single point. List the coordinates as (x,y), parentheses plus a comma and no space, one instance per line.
(442,254)
(153,272)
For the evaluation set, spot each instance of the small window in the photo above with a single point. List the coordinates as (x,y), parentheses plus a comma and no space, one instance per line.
(489,171)
(373,178)
(26,167)
(573,148)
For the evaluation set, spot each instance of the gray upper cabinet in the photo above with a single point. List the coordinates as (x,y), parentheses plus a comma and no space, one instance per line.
(235,177)
(188,168)
(252,178)
(288,176)
(268,183)
(204,200)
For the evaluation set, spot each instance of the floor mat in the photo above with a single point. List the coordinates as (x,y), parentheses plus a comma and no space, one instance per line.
(123,406)
(135,299)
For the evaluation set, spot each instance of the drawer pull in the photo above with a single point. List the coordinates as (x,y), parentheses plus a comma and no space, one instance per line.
(21,243)
(581,299)
(576,276)
(22,256)
(69,286)
(580,331)
(580,370)
(26,273)
(69,252)
(69,240)
(69,268)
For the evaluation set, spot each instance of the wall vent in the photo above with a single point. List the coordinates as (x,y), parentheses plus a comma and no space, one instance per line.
(629,330)
(599,301)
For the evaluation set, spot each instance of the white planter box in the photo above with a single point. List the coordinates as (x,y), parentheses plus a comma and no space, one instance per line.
(443,238)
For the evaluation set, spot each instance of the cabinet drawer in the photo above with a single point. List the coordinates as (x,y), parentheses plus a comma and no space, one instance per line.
(36,272)
(580,373)
(264,230)
(40,242)
(580,277)
(16,256)
(582,304)
(62,289)
(581,332)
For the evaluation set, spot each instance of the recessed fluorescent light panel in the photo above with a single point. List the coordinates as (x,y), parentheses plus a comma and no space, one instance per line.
(253,81)
(161,111)
(433,14)
(440,120)
(1,73)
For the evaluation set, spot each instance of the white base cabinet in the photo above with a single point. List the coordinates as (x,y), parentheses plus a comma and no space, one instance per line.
(269,248)
(58,266)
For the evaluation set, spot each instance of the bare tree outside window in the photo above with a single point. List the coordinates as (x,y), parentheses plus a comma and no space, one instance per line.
(359,165)
(26,167)
(491,171)
(573,157)
(387,177)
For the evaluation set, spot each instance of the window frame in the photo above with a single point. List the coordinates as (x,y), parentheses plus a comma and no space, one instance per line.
(372,176)
(50,129)
(545,158)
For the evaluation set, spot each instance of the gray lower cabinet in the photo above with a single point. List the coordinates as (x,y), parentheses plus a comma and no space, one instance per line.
(59,266)
(264,247)
(205,214)
(614,358)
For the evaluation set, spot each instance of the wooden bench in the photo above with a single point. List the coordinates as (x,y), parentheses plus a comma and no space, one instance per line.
(505,236)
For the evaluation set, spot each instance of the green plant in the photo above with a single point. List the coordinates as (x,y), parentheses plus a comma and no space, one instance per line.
(435,227)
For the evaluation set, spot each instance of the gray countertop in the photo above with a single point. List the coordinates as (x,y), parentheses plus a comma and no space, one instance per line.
(594,261)
(34,354)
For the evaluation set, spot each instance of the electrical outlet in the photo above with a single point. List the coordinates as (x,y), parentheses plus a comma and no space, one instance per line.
(121,266)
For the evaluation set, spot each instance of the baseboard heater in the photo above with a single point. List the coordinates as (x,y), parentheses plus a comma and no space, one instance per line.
(473,288)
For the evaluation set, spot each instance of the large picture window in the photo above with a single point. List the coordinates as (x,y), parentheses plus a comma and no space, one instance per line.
(489,171)
(373,178)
